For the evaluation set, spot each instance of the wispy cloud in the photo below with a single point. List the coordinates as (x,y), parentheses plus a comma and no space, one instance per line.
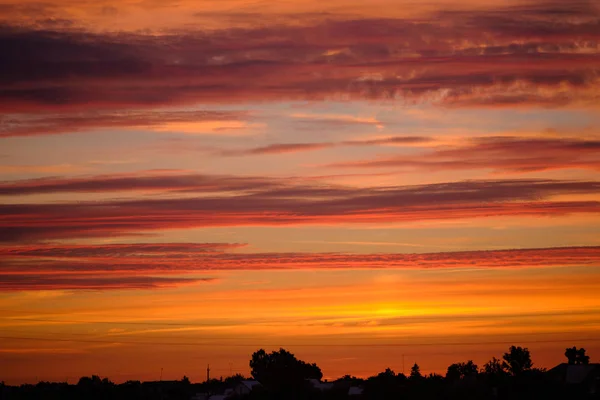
(9,282)
(116,251)
(149,181)
(41,169)
(53,123)
(282,148)
(28,267)
(261,202)
(501,154)
(279,148)
(334,121)
(540,54)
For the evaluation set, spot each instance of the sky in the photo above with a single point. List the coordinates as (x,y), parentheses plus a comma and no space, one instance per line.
(366,184)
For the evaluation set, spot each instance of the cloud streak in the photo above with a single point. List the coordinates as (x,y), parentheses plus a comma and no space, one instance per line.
(293,204)
(512,55)
(500,154)
(28,282)
(283,148)
(116,251)
(149,181)
(49,123)
(279,148)
(28,267)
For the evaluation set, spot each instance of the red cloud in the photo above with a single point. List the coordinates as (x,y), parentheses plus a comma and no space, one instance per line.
(511,55)
(288,204)
(501,154)
(279,148)
(69,282)
(151,181)
(47,124)
(137,250)
(106,266)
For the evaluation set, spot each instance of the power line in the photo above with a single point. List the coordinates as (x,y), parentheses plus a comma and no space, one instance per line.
(65,321)
(116,335)
(300,344)
(189,324)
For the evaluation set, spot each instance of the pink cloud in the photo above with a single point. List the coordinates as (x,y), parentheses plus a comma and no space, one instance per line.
(267,203)
(70,282)
(282,148)
(27,267)
(501,154)
(512,55)
(49,123)
(279,148)
(149,181)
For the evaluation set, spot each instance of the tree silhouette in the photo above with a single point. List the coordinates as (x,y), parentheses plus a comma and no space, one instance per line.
(94,380)
(281,368)
(493,367)
(577,356)
(415,372)
(517,360)
(234,379)
(385,385)
(387,373)
(453,372)
(461,370)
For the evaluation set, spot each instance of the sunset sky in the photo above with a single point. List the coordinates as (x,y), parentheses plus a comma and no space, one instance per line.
(183,182)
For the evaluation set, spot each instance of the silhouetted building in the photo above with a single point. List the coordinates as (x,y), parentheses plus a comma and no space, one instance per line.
(585,376)
(322,386)
(245,387)
(355,391)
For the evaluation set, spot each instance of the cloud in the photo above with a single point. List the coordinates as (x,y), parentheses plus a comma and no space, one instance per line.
(100,265)
(295,204)
(282,148)
(311,121)
(390,140)
(49,123)
(499,153)
(149,181)
(58,282)
(40,169)
(116,251)
(279,148)
(541,54)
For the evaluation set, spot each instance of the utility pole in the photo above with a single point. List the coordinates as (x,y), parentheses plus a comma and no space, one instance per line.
(208,373)
(403,364)
(161,370)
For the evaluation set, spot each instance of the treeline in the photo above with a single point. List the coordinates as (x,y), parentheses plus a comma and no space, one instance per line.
(511,377)
(283,376)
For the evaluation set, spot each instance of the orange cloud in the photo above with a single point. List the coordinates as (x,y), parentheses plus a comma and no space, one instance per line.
(187,121)
(281,148)
(145,265)
(512,55)
(266,203)
(23,282)
(501,154)
(159,181)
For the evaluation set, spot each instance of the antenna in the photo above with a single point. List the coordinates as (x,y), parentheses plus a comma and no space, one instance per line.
(207,372)
(402,364)
(161,371)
